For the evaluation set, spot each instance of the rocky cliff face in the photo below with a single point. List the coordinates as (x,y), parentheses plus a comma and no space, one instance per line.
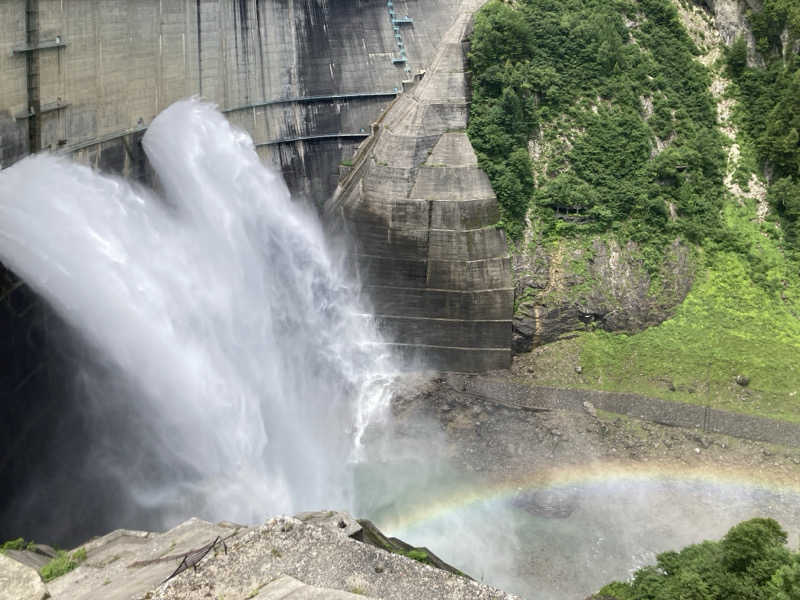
(569,287)
(730,17)
(730,23)
(599,282)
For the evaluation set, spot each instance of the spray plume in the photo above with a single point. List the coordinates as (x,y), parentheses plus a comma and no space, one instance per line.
(237,371)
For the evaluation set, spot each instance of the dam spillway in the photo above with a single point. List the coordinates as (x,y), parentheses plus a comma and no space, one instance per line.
(306,79)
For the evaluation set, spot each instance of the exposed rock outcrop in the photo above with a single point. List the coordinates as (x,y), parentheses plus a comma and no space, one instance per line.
(19,581)
(562,289)
(731,18)
(313,556)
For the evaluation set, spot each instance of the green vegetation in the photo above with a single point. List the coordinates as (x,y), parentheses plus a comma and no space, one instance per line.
(769,106)
(63,563)
(17,544)
(750,563)
(742,314)
(358,590)
(572,74)
(727,326)
(740,318)
(594,119)
(418,555)
(370,534)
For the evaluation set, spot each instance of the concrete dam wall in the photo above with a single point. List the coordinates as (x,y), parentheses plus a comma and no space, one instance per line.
(304,77)
(422,213)
(310,80)
(307,79)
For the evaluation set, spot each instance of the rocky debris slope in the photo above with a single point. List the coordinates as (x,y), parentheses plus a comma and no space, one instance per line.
(313,556)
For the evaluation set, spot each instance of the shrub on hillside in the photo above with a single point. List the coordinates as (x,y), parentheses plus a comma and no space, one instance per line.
(750,563)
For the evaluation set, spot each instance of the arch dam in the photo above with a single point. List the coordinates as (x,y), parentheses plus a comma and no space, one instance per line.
(311,82)
(378,84)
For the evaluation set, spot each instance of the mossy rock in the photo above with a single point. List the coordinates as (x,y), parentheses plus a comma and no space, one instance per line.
(373,536)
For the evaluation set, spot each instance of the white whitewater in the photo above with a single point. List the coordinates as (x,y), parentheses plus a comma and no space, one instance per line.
(239,360)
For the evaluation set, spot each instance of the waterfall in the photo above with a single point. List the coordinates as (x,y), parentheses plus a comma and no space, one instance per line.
(233,370)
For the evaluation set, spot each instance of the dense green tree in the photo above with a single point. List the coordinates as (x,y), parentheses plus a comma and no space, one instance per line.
(769,105)
(577,69)
(750,563)
(785,582)
(737,57)
(784,196)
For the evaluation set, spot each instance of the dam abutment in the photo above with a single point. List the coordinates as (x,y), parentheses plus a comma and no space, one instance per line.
(423,214)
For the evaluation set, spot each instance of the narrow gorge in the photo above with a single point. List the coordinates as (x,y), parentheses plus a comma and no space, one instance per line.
(399,299)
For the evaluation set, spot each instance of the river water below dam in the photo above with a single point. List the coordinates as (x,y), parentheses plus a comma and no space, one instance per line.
(225,369)
(587,527)
(553,504)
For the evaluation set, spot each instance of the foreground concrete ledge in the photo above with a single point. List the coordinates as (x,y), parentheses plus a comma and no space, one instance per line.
(289,588)
(318,553)
(128,564)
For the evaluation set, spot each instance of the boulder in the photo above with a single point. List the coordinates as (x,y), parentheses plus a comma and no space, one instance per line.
(566,288)
(20,582)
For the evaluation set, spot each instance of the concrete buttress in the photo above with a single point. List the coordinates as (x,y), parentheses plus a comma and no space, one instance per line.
(422,214)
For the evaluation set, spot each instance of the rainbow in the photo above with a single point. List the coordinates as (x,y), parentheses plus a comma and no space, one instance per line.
(595,474)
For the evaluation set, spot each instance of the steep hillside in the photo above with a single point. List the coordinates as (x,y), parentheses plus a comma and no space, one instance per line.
(631,172)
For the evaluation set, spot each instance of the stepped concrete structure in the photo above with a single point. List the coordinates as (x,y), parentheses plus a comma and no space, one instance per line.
(422,214)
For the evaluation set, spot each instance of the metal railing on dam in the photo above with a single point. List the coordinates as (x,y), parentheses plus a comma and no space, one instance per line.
(309,99)
(311,138)
(83,144)
(285,140)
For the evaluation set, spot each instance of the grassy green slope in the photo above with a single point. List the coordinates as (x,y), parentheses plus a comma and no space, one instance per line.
(742,316)
(726,326)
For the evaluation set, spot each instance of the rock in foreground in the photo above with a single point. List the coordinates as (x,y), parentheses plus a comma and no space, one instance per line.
(312,557)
